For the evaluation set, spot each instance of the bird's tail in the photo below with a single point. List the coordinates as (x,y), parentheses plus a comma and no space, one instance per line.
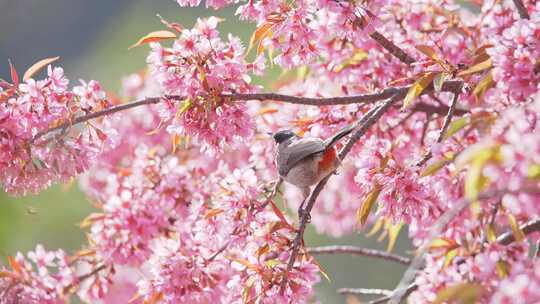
(339,135)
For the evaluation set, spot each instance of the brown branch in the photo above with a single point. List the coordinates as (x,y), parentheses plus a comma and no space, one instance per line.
(446,123)
(365,291)
(84,277)
(361,128)
(360,251)
(392,48)
(448,86)
(527,228)
(104,112)
(522,10)
(439,110)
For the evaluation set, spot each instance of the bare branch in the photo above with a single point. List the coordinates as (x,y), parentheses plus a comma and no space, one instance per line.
(446,123)
(522,10)
(392,48)
(85,276)
(387,298)
(365,291)
(104,112)
(527,228)
(360,251)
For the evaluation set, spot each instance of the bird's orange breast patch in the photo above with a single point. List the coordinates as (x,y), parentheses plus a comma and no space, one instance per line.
(327,162)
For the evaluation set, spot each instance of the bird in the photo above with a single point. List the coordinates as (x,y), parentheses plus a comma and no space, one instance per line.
(303,162)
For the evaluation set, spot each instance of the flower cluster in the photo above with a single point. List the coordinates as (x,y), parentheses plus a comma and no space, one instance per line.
(40,277)
(200,68)
(515,54)
(30,161)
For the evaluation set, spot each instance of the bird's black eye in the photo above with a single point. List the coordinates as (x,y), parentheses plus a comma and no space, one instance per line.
(283,135)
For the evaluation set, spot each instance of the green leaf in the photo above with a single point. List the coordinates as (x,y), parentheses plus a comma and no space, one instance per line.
(358,56)
(491,234)
(518,233)
(434,167)
(449,257)
(186,104)
(533,172)
(486,64)
(455,126)
(466,293)
(483,85)
(364,210)
(393,233)
(417,88)
(439,80)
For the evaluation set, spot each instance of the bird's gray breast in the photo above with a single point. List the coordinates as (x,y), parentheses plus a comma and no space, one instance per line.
(290,153)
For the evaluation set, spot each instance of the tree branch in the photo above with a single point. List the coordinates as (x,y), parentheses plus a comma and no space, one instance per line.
(392,48)
(448,86)
(527,228)
(387,298)
(104,112)
(522,10)
(85,276)
(361,128)
(446,123)
(365,291)
(360,251)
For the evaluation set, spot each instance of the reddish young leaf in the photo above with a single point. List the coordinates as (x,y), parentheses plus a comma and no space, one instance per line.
(38,66)
(14,75)
(153,37)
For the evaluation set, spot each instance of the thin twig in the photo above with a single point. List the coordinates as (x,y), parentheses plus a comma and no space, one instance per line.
(363,125)
(365,291)
(360,251)
(387,298)
(104,112)
(527,228)
(446,123)
(522,10)
(392,48)
(85,276)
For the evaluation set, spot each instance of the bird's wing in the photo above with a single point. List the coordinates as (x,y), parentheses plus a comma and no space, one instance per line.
(297,151)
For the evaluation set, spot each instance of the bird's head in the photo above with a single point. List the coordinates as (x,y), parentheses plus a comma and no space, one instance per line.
(283,135)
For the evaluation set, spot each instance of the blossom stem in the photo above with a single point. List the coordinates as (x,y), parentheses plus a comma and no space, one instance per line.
(360,251)
(522,10)
(392,48)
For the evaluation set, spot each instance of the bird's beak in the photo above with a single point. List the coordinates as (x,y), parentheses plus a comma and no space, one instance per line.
(270,133)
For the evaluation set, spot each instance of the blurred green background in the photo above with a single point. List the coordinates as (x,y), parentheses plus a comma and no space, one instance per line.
(92,38)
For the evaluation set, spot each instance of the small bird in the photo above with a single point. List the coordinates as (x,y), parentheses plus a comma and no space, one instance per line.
(304,162)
